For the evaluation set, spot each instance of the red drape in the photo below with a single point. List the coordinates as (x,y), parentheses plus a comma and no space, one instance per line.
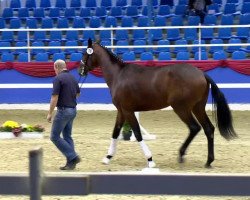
(45,69)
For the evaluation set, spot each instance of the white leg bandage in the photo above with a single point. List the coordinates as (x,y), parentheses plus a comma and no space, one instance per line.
(112,147)
(145,149)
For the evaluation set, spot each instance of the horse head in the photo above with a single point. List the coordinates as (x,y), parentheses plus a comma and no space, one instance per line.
(89,60)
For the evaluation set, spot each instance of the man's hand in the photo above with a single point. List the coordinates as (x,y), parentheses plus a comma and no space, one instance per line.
(49,117)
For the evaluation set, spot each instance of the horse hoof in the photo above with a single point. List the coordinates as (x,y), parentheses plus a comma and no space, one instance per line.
(181,160)
(151,164)
(105,161)
(208,166)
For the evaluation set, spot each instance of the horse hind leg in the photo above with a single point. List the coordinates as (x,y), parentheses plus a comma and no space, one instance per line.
(187,117)
(201,115)
(116,132)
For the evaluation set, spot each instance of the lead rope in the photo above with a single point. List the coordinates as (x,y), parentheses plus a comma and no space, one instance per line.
(82,80)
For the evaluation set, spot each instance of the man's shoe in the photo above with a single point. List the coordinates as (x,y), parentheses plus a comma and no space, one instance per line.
(71,164)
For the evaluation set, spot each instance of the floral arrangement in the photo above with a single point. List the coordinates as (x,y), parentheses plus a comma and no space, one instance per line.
(16,129)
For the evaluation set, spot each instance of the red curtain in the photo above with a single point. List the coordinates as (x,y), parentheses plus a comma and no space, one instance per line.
(45,69)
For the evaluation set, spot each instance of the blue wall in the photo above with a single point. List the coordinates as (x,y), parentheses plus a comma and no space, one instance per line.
(102,95)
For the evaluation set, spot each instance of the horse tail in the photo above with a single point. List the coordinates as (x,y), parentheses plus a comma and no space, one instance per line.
(223,114)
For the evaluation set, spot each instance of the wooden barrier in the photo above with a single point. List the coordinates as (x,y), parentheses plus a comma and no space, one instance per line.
(38,183)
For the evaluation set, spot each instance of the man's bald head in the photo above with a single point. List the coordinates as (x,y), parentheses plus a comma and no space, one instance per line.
(59,65)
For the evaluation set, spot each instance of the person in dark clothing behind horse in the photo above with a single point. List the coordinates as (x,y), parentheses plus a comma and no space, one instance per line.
(64,94)
(199,8)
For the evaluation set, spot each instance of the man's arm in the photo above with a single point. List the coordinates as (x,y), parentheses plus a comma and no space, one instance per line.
(53,103)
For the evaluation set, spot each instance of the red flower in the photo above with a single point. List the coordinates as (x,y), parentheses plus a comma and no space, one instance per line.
(17,131)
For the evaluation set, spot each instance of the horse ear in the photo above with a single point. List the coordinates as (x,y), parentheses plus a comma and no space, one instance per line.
(89,43)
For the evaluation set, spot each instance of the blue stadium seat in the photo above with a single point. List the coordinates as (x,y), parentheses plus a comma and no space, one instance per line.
(22,36)
(4,44)
(146,56)
(47,22)
(132,11)
(62,23)
(227,19)
(216,48)
(242,33)
(110,21)
(91,4)
(190,34)
(239,55)
(219,2)
(173,34)
(193,20)
(214,9)
(139,43)
(224,33)
(128,56)
(207,33)
(78,22)
(183,55)
(88,34)
(143,21)
(15,23)
(164,56)
(15,4)
(162,49)
(155,34)
(95,22)
(116,12)
(121,3)
(71,43)
(160,21)
(231,49)
(23,13)
(106,4)
(71,35)
(121,50)
(2,23)
(55,35)
(105,35)
(20,44)
(57,56)
(54,44)
(8,13)
(7,36)
(180,49)
(31,23)
(101,12)
(244,19)
(230,8)
(177,20)
(219,55)
(85,13)
(245,8)
(70,13)
(23,57)
(42,57)
(196,47)
(30,4)
(139,34)
(54,13)
(164,10)
(127,21)
(39,36)
(121,34)
(210,20)
(75,3)
(7,57)
(246,48)
(39,50)
(180,10)
(61,4)
(74,57)
(39,13)
(137,3)
(201,55)
(105,43)
(45,4)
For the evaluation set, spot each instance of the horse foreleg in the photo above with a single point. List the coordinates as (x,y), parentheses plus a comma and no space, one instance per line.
(137,132)
(113,144)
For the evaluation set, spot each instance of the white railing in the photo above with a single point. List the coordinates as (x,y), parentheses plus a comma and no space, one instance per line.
(38,183)
(113,29)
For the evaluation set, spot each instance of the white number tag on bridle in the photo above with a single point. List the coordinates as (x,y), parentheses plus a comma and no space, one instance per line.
(90,51)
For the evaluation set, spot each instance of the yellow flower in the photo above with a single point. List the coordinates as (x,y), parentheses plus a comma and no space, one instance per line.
(11,124)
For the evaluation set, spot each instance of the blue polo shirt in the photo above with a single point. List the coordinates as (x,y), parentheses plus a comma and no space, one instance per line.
(67,88)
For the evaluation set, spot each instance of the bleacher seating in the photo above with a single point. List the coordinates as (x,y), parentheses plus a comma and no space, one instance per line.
(123,13)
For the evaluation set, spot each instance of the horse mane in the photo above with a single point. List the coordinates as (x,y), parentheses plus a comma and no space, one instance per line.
(114,58)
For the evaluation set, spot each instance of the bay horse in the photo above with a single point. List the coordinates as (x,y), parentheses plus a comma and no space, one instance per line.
(137,88)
